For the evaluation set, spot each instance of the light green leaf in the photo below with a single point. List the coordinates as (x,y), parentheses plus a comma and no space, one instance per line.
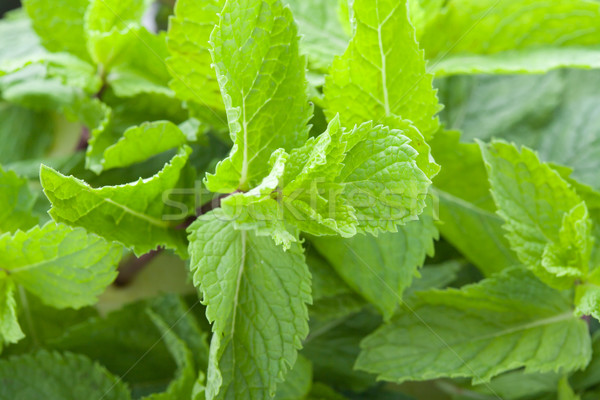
(133,214)
(16,203)
(466,207)
(590,376)
(382,73)
(20,43)
(64,267)
(105,15)
(502,323)
(140,65)
(381,268)
(256,297)
(382,177)
(473,36)
(565,392)
(194,79)
(58,376)
(54,82)
(323,35)
(139,143)
(262,80)
(257,210)
(59,24)
(10,331)
(298,381)
(366,178)
(541,211)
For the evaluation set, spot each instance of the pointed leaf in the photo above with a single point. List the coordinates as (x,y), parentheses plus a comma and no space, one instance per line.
(256,297)
(541,212)
(382,73)
(64,267)
(58,376)
(133,214)
(509,321)
(262,80)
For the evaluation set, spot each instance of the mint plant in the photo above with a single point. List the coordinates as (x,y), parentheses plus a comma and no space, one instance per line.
(299,200)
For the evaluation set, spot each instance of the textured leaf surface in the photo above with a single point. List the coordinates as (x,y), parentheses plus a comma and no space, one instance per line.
(10,331)
(365,179)
(59,24)
(542,214)
(133,214)
(482,330)
(58,376)
(384,178)
(64,267)
(262,80)
(16,203)
(256,297)
(381,268)
(139,143)
(190,63)
(382,73)
(472,36)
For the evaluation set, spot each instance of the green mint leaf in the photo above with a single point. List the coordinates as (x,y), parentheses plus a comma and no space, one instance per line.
(551,113)
(381,268)
(106,15)
(262,80)
(382,73)
(10,331)
(382,178)
(466,208)
(140,65)
(64,267)
(470,36)
(512,318)
(132,214)
(20,43)
(542,213)
(58,376)
(59,24)
(366,179)
(36,129)
(139,143)
(435,276)
(565,392)
(323,35)
(183,385)
(16,203)
(333,351)
(333,299)
(258,210)
(190,64)
(298,382)
(256,297)
(54,82)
